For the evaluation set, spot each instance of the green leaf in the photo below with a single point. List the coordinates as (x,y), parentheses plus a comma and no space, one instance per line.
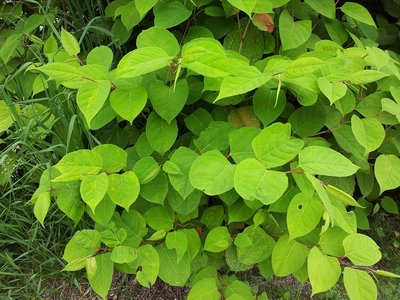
(114,159)
(303,215)
(6,117)
(212,173)
(69,43)
(205,289)
(100,271)
(130,16)
(159,37)
(168,101)
(124,254)
(128,103)
(160,135)
(164,11)
(293,34)
(173,271)
(218,239)
(205,56)
(93,189)
(83,244)
(332,90)
(237,289)
(260,248)
(288,256)
(386,273)
(325,161)
(80,163)
(239,212)
(149,260)
(183,158)
(361,250)
(253,181)
(267,105)
(331,241)
(245,5)
(9,46)
(142,61)
(341,196)
(305,126)
(324,271)
(156,190)
(160,218)
(326,8)
(103,212)
(177,240)
(101,55)
(214,137)
(274,147)
(358,12)
(198,121)
(91,98)
(69,201)
(359,285)
(146,169)
(240,143)
(213,216)
(387,172)
(134,225)
(123,189)
(246,81)
(389,205)
(41,206)
(368,132)
(302,66)
(143,6)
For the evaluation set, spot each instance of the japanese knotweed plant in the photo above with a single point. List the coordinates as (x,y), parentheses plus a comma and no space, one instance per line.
(251,145)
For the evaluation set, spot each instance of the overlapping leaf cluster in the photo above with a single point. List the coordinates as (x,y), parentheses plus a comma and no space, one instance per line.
(251,148)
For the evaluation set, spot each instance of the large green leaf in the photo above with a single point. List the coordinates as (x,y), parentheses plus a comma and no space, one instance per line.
(170,14)
(100,271)
(218,239)
(240,143)
(93,189)
(205,289)
(274,147)
(325,161)
(358,12)
(160,135)
(212,173)
(177,240)
(387,172)
(149,261)
(359,285)
(144,6)
(123,189)
(368,132)
(214,137)
(332,90)
(331,241)
(168,101)
(114,159)
(128,103)
(79,163)
(173,271)
(205,56)
(268,105)
(156,190)
(303,215)
(160,218)
(288,256)
(324,271)
(142,61)
(69,201)
(146,169)
(91,98)
(253,181)
(293,34)
(361,250)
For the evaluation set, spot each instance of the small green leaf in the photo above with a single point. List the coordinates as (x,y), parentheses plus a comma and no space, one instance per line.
(80,163)
(69,43)
(93,189)
(359,285)
(325,161)
(324,271)
(160,218)
(198,121)
(361,250)
(214,137)
(173,271)
(41,206)
(100,271)
(358,12)
(149,260)
(114,159)
(205,289)
(326,8)
(164,11)
(124,254)
(332,90)
(146,169)
(240,143)
(177,240)
(389,205)
(156,190)
(341,196)
(245,5)
(386,273)
(387,172)
(160,135)
(101,55)
(212,173)
(123,189)
(331,241)
(144,6)
(128,103)
(218,239)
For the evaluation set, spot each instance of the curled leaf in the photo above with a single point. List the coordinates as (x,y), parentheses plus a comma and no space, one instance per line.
(264,22)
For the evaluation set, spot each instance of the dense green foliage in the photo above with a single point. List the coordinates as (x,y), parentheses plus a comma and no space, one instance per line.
(202,137)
